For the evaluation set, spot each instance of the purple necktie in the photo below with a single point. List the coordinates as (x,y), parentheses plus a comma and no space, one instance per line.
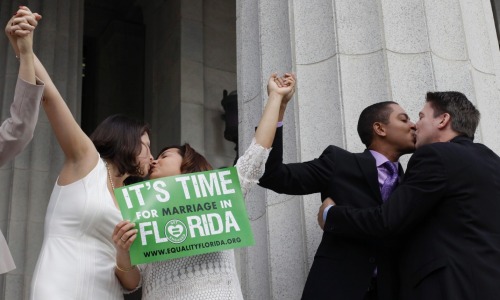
(390,181)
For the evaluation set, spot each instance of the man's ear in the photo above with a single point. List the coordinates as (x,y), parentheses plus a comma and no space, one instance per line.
(379,129)
(445,120)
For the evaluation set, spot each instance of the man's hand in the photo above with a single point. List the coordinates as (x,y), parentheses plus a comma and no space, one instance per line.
(289,79)
(326,203)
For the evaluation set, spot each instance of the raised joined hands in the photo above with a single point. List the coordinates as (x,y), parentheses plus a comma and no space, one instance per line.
(20,28)
(283,86)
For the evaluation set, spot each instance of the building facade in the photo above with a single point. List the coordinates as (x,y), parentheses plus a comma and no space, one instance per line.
(168,61)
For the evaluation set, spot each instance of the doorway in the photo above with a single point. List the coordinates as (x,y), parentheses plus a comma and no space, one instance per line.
(113,61)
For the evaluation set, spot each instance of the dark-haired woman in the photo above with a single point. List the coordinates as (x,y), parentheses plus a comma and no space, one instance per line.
(211,275)
(77,257)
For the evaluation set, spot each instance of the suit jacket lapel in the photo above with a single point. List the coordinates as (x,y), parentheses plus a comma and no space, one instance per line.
(368,166)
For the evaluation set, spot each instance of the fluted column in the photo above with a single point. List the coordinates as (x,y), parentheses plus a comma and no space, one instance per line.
(254,264)
(275,267)
(484,65)
(347,55)
(28,181)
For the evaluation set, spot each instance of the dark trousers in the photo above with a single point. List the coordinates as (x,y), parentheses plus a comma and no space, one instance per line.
(333,279)
(371,294)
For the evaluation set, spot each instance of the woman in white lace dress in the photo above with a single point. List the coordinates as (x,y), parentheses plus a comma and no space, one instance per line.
(212,275)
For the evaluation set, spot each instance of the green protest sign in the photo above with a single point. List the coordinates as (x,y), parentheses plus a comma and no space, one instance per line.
(185,215)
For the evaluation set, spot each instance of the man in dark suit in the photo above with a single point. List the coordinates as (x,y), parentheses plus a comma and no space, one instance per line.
(344,268)
(446,210)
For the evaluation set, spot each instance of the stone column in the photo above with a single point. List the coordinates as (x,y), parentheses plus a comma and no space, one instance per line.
(275,267)
(347,55)
(190,60)
(219,74)
(27,181)
(192,122)
(162,71)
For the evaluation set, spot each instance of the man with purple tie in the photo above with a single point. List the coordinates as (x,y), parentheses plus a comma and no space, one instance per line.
(445,212)
(350,268)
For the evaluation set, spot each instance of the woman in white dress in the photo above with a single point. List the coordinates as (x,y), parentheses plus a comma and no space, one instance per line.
(212,275)
(78,256)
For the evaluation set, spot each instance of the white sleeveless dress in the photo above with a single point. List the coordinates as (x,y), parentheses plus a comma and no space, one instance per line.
(6,262)
(207,276)
(78,255)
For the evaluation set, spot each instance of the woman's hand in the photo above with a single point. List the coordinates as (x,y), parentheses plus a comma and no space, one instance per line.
(282,86)
(20,28)
(124,235)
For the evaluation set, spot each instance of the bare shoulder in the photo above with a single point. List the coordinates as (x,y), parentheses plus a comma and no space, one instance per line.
(75,170)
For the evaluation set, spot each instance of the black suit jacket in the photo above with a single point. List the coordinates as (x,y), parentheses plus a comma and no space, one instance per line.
(343,266)
(447,211)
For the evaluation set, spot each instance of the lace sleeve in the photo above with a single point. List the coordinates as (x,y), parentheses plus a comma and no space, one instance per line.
(251,166)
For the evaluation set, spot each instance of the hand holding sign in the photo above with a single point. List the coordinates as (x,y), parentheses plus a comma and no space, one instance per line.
(124,235)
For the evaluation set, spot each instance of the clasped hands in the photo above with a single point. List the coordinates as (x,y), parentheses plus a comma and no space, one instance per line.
(22,23)
(284,85)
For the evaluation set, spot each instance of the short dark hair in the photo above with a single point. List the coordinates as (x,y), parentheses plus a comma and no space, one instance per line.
(192,161)
(464,115)
(118,140)
(378,112)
